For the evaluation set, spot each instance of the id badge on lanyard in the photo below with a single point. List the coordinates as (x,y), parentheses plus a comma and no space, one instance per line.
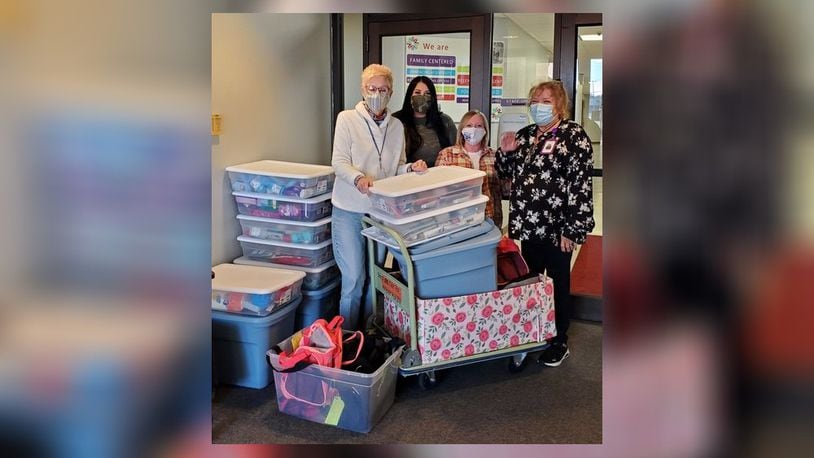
(548,146)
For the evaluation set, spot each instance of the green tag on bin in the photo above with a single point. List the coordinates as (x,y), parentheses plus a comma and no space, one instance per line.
(337,406)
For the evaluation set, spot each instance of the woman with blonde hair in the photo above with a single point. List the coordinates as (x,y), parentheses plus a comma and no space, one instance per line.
(551,206)
(472,150)
(368,146)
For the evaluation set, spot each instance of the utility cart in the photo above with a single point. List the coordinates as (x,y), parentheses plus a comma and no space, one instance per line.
(401,287)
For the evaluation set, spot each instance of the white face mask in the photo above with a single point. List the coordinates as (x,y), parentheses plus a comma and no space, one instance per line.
(473,135)
(377,102)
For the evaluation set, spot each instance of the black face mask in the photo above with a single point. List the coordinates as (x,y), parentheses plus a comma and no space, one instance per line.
(421,103)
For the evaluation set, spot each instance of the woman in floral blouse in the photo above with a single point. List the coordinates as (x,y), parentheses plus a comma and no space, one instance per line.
(551,207)
(471,150)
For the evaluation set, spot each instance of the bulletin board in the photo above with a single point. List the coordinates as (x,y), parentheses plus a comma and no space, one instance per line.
(445,61)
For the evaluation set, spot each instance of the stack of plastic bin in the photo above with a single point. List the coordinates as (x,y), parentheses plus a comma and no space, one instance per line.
(424,207)
(320,290)
(284,213)
(440,217)
(250,290)
(253,309)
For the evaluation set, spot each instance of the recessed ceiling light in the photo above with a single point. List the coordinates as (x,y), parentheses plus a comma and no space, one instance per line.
(509,36)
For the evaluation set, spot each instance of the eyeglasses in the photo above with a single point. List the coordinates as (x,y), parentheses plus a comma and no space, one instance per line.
(380,90)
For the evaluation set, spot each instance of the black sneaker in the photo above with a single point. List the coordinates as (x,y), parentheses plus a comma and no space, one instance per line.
(554,355)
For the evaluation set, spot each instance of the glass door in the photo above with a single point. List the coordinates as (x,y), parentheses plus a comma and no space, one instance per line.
(522,56)
(588,92)
(578,39)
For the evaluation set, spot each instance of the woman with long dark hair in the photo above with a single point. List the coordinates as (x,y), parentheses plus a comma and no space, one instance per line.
(426,129)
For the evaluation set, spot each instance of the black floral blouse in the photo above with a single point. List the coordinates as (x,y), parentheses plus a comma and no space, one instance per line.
(552,194)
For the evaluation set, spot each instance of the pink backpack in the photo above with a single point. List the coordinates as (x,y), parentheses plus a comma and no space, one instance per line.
(321,343)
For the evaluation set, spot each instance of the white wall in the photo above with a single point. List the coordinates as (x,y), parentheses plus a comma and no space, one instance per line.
(352,54)
(271,83)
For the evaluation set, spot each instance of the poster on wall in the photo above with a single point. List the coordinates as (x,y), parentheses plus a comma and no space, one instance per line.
(445,61)
(498,57)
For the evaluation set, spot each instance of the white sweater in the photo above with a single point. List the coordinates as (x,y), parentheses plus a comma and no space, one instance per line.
(355,154)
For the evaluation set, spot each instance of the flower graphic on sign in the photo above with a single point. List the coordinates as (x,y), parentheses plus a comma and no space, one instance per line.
(412,43)
(497,110)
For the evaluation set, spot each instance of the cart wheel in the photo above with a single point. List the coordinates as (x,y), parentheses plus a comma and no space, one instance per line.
(427,380)
(517,363)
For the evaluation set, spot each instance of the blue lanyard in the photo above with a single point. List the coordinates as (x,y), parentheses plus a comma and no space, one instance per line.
(384,141)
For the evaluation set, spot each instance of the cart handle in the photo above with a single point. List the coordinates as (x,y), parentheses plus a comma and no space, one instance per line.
(408,260)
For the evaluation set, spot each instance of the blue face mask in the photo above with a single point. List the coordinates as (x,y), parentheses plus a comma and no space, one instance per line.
(542,113)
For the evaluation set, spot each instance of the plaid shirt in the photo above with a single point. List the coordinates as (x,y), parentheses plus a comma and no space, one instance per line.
(455,155)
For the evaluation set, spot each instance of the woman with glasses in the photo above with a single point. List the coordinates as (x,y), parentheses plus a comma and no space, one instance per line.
(472,150)
(368,146)
(550,166)
(426,128)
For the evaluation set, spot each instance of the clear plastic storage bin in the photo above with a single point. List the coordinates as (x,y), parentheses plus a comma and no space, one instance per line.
(251,290)
(412,194)
(431,225)
(286,208)
(282,178)
(286,231)
(337,397)
(291,254)
(443,240)
(315,277)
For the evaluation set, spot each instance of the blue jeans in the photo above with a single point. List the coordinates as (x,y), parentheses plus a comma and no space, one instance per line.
(350,255)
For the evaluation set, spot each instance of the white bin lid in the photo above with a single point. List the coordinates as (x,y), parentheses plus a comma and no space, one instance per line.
(309,270)
(312,200)
(282,169)
(430,214)
(258,219)
(251,279)
(243,238)
(434,177)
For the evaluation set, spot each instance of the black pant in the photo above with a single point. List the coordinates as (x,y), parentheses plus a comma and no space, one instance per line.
(545,257)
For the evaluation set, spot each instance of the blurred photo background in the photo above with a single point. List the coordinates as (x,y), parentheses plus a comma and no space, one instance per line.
(708,227)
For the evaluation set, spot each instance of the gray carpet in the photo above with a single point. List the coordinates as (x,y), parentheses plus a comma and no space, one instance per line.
(479,403)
